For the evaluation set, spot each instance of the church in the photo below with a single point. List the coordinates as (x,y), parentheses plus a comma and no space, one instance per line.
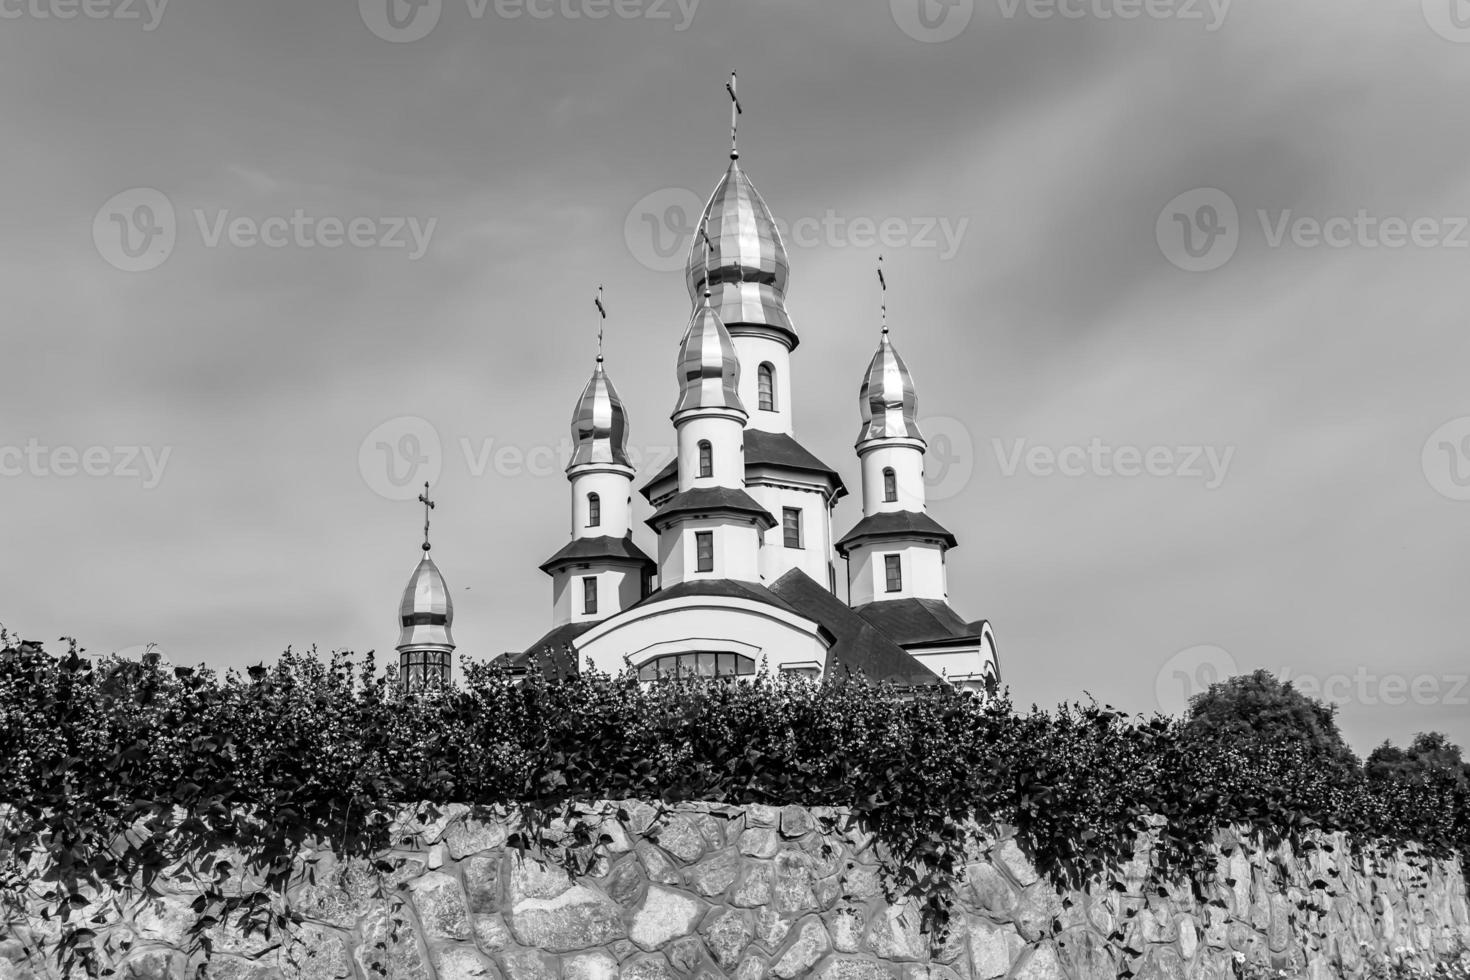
(743,576)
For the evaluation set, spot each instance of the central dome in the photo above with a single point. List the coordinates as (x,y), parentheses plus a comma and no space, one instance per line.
(748,268)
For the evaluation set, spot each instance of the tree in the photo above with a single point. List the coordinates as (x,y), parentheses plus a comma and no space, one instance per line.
(1260,709)
(1428,755)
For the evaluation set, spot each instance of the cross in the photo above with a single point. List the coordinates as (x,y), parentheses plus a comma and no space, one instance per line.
(428,506)
(736,111)
(884,284)
(704,233)
(602,312)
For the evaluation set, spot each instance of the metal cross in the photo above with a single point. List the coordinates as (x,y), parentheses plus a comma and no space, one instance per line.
(704,233)
(882,282)
(602,312)
(736,111)
(428,506)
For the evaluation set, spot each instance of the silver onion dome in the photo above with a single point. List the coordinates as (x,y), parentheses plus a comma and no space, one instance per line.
(600,423)
(426,612)
(748,268)
(709,369)
(888,399)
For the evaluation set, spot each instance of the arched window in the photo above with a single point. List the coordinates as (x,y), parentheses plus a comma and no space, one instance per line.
(675,665)
(594,510)
(766,378)
(706,459)
(890,486)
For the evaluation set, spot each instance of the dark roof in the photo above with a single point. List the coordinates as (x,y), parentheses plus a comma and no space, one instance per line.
(775,449)
(712,500)
(859,649)
(606,548)
(551,650)
(727,587)
(920,622)
(896,524)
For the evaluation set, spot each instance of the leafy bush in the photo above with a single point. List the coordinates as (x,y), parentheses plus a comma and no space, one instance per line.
(115,770)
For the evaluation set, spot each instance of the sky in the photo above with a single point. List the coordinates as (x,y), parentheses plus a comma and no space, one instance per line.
(1182,285)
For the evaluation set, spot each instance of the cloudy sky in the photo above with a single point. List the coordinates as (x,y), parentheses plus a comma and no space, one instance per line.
(1183,287)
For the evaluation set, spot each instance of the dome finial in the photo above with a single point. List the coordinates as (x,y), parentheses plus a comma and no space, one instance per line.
(428,506)
(883,284)
(736,111)
(601,312)
(708,246)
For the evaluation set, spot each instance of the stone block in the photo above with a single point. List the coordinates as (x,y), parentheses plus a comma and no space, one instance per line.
(482,882)
(893,934)
(463,963)
(810,944)
(716,873)
(592,965)
(727,933)
(792,883)
(316,953)
(754,889)
(770,928)
(845,926)
(526,964)
(851,968)
(665,916)
(1010,857)
(679,836)
(470,836)
(441,906)
(759,842)
(578,918)
(491,932)
(389,948)
(652,966)
(656,864)
(993,948)
(796,822)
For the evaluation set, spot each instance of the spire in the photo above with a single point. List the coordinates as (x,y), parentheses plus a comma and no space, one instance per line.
(736,110)
(425,615)
(602,322)
(428,506)
(888,399)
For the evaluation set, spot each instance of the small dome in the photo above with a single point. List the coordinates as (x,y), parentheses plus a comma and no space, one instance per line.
(709,370)
(600,423)
(747,262)
(426,612)
(888,400)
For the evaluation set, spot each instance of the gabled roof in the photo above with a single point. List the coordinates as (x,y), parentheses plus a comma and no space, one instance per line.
(773,449)
(589,550)
(859,649)
(551,649)
(896,524)
(920,622)
(712,500)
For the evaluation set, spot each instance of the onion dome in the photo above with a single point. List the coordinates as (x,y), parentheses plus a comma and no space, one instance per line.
(748,267)
(888,400)
(709,370)
(426,612)
(600,423)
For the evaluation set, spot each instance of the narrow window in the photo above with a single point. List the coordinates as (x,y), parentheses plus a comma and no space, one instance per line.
(594,510)
(706,460)
(791,526)
(589,595)
(895,573)
(890,486)
(767,381)
(704,551)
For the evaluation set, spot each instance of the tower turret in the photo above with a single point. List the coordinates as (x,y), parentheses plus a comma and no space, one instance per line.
(425,615)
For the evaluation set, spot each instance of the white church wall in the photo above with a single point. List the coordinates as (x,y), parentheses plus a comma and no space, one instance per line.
(618,588)
(703,624)
(755,349)
(908,470)
(614,490)
(816,552)
(922,566)
(725,434)
(736,551)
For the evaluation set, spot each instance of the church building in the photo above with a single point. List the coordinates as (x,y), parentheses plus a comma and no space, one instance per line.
(742,572)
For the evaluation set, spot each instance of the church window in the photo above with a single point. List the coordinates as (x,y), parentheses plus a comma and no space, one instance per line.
(890,486)
(767,381)
(704,551)
(594,510)
(894,571)
(706,460)
(791,526)
(672,666)
(589,595)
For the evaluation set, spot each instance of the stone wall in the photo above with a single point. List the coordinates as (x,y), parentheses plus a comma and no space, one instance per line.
(746,892)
